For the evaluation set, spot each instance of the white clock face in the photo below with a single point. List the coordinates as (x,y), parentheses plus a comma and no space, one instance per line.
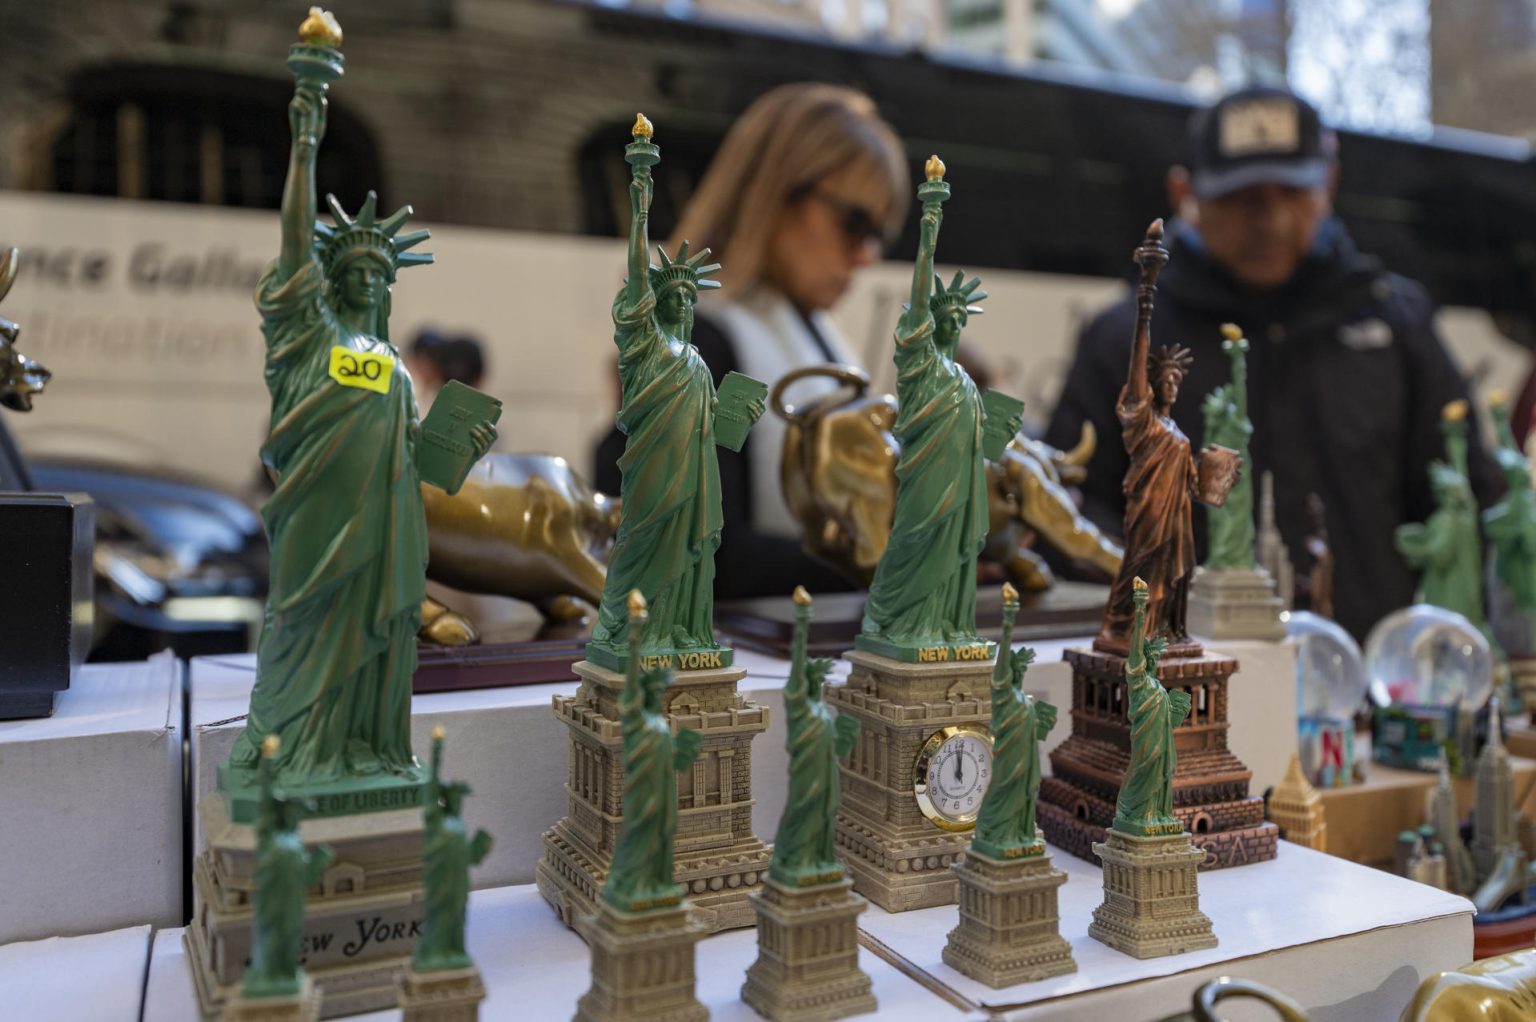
(955,768)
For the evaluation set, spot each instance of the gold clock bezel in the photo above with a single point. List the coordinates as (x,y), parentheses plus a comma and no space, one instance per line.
(920,766)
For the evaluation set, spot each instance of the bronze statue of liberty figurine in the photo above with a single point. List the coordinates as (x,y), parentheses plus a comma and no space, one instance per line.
(670,494)
(347,533)
(1162,482)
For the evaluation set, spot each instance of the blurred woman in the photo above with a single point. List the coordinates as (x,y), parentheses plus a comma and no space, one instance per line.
(806,189)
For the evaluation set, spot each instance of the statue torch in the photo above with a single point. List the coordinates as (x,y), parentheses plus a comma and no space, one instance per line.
(316,60)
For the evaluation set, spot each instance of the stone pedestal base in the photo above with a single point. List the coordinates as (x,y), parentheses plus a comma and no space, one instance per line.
(444,995)
(716,856)
(1009,930)
(303,1006)
(1151,896)
(807,967)
(361,923)
(642,965)
(896,857)
(1235,603)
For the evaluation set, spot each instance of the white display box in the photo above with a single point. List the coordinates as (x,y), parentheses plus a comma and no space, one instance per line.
(1350,943)
(95,978)
(91,800)
(535,968)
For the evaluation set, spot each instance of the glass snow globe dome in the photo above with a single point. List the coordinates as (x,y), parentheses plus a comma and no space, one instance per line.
(1428,656)
(1331,680)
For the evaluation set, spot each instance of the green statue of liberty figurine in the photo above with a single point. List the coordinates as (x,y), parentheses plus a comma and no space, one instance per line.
(347,532)
(1446,548)
(449,852)
(1511,521)
(284,871)
(1227,425)
(1005,827)
(670,495)
(1145,805)
(924,590)
(640,876)
(804,852)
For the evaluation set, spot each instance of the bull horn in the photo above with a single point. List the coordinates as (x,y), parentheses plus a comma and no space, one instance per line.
(8,264)
(846,375)
(1088,442)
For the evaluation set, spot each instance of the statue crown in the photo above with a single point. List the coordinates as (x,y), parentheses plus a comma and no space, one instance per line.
(960,292)
(1171,358)
(683,270)
(365,234)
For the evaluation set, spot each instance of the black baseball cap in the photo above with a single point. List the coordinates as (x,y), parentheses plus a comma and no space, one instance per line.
(1260,135)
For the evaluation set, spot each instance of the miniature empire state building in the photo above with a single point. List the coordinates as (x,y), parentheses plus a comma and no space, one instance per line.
(1297,809)
(1211,786)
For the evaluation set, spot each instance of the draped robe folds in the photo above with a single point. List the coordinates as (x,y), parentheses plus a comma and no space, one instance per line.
(1159,525)
(924,590)
(445,881)
(670,492)
(1146,793)
(641,871)
(348,541)
(1231,525)
(807,830)
(1007,817)
(1511,528)
(281,876)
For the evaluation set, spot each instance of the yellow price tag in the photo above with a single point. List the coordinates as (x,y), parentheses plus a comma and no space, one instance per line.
(366,369)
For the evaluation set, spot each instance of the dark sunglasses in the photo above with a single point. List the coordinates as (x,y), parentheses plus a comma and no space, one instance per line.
(858,224)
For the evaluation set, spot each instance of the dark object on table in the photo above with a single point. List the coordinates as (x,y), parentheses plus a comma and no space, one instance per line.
(767,623)
(495,665)
(179,564)
(45,604)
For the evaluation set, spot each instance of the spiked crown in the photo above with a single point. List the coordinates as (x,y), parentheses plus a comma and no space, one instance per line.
(685,269)
(960,292)
(1171,358)
(365,234)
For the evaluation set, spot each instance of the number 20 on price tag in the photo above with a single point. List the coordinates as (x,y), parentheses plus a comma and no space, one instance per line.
(365,369)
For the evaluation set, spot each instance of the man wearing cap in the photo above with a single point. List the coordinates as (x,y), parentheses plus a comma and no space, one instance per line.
(1347,375)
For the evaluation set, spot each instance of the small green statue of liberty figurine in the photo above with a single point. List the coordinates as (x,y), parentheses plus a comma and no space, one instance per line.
(1145,805)
(1511,521)
(284,871)
(1227,425)
(670,525)
(924,590)
(1005,827)
(1446,548)
(641,875)
(804,852)
(449,852)
(347,532)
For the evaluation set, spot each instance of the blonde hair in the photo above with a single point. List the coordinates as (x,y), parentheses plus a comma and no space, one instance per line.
(789,139)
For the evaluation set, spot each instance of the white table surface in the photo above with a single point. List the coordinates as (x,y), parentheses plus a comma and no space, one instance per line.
(1332,934)
(534,969)
(91,804)
(95,978)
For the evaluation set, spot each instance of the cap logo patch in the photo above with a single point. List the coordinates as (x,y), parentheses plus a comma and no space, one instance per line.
(1259,126)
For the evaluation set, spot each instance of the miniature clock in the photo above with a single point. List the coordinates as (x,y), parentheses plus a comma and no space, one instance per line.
(951,774)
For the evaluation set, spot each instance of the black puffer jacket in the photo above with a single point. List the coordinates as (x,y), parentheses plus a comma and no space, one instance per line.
(1346,380)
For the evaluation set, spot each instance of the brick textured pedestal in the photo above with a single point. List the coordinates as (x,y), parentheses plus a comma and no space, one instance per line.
(1010,924)
(1210,787)
(303,1006)
(897,858)
(1151,896)
(717,857)
(642,965)
(807,967)
(443,995)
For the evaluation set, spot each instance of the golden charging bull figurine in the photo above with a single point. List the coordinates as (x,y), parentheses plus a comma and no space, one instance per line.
(839,479)
(522,525)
